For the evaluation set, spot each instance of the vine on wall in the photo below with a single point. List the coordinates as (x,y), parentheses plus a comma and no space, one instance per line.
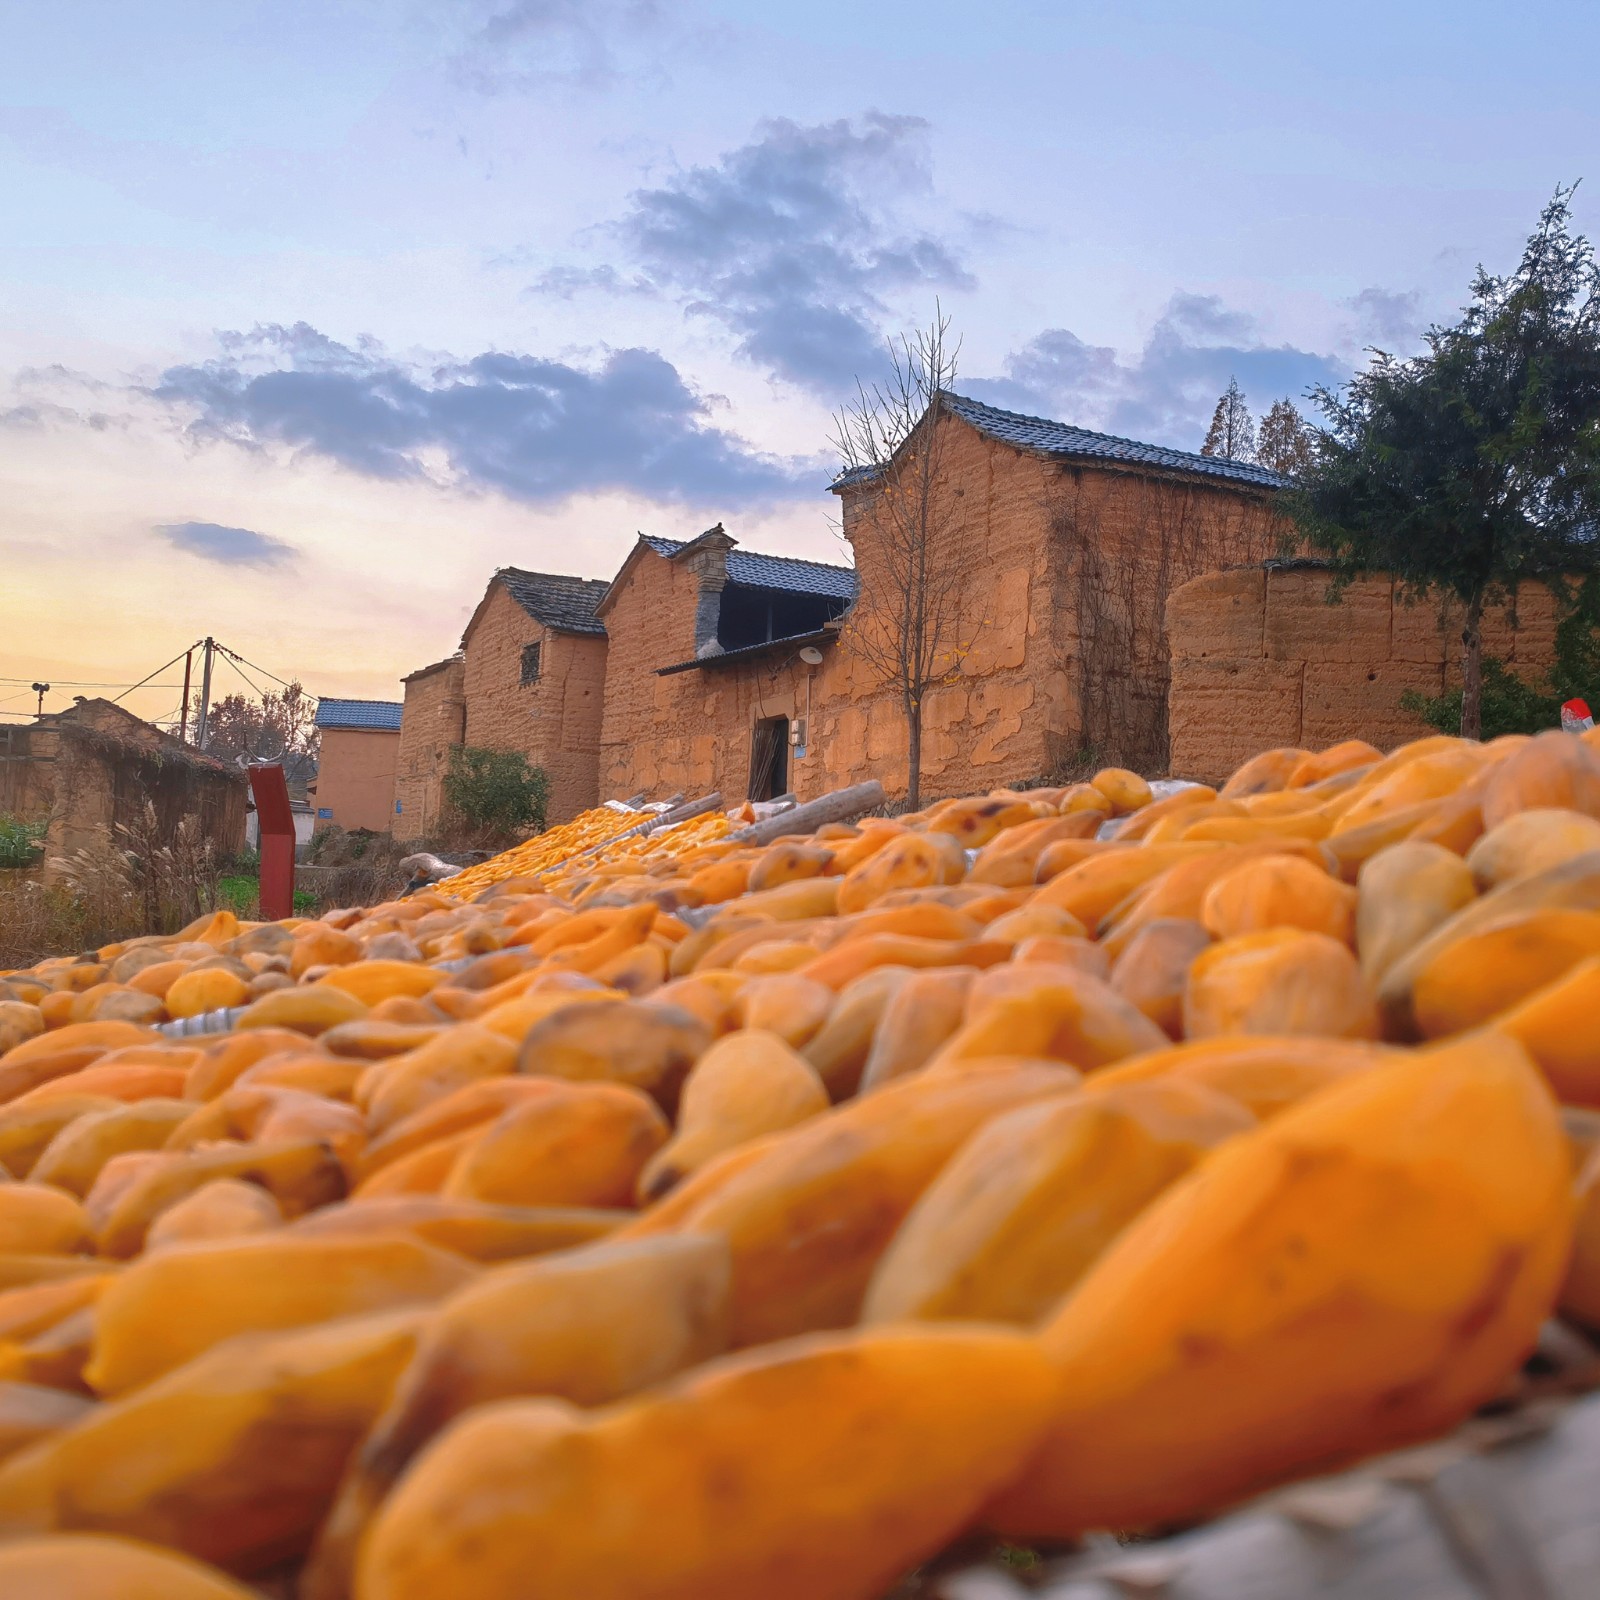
(1127,542)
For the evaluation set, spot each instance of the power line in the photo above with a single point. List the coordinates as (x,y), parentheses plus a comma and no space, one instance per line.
(232,662)
(159,670)
(85,683)
(234,656)
(235,660)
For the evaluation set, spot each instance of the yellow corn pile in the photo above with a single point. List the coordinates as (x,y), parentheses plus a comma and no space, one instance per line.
(541,853)
(718,1220)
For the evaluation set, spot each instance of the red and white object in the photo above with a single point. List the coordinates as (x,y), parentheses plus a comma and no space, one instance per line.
(1575,716)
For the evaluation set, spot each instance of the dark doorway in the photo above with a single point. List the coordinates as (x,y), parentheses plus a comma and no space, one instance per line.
(769,759)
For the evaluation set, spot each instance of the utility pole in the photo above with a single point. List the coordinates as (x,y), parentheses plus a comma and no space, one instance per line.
(183,715)
(41,689)
(201,721)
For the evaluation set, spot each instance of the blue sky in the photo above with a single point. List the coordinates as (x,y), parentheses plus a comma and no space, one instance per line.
(313,314)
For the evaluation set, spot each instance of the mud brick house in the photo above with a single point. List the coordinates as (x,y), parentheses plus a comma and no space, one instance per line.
(87,771)
(356,762)
(703,665)
(534,677)
(706,685)
(1065,545)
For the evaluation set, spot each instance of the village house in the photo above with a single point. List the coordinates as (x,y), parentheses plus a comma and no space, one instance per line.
(89,774)
(1062,546)
(357,756)
(534,670)
(703,665)
(711,659)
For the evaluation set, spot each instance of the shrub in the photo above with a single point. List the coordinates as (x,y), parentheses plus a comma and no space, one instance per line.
(496,792)
(20,842)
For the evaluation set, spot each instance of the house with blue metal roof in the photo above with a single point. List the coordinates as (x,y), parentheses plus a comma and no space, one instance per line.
(357,755)
(368,716)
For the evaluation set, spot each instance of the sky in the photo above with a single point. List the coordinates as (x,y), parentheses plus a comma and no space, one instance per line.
(315,312)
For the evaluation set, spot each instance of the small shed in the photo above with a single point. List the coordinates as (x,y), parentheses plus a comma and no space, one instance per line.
(358,756)
(87,771)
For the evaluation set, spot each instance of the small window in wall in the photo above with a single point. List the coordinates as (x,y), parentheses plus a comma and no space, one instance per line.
(769,759)
(530,663)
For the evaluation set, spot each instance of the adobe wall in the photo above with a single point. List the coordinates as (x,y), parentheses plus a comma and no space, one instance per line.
(83,812)
(554,721)
(1124,541)
(1007,710)
(662,735)
(27,773)
(572,682)
(1260,658)
(96,768)
(432,723)
(356,778)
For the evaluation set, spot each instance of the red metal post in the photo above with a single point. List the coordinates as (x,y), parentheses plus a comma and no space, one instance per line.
(276,821)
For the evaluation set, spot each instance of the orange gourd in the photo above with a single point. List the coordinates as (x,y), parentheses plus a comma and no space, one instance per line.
(1372,1265)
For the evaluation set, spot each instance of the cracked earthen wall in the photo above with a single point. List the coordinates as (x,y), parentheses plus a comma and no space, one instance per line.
(1261,658)
(1063,571)
(432,723)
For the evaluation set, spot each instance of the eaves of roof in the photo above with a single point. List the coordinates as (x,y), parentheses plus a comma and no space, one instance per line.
(790,575)
(556,599)
(1061,441)
(819,636)
(428,671)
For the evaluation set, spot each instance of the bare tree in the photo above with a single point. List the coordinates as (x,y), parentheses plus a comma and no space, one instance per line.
(1284,442)
(907,619)
(1232,434)
(278,727)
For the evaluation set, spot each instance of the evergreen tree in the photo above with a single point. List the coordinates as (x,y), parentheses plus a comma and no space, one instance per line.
(1232,434)
(1284,442)
(1474,466)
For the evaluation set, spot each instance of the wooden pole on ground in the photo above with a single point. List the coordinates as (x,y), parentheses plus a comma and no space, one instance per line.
(843,805)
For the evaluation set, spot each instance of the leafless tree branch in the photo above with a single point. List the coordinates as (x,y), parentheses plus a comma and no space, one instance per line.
(907,622)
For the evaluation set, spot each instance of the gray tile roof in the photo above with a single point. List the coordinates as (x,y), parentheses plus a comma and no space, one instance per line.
(1060,439)
(380,715)
(775,572)
(784,572)
(556,600)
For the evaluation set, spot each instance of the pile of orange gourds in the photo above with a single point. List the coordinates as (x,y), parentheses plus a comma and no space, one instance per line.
(715,1220)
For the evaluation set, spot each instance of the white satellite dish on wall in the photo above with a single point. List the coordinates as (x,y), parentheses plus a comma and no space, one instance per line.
(811,656)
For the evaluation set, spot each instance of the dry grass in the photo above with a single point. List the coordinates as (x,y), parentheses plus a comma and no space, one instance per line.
(136,885)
